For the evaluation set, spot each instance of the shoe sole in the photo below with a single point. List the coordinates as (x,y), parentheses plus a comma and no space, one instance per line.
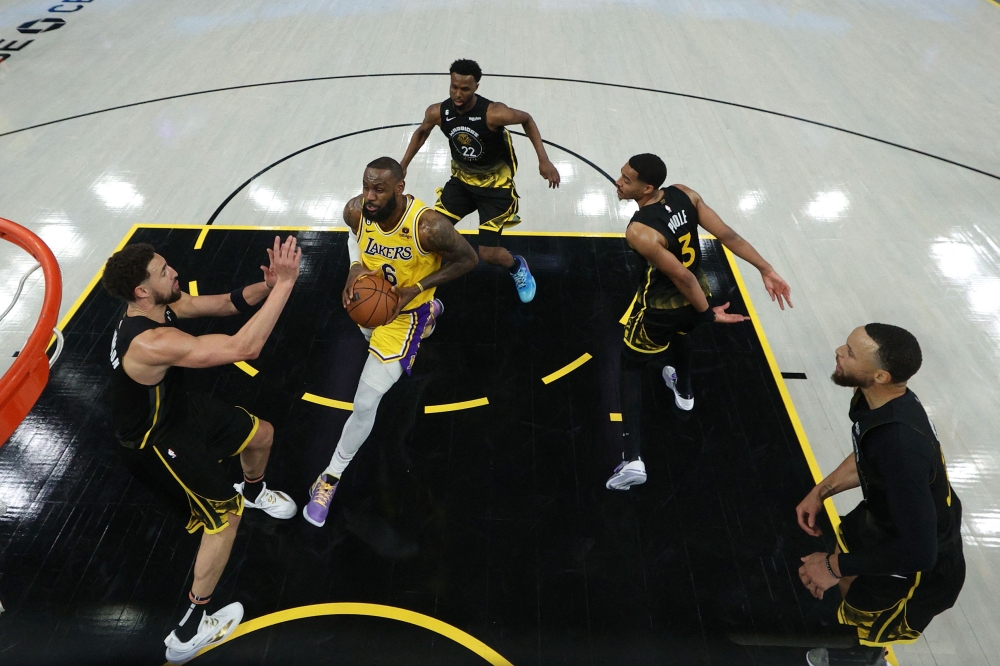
(310,520)
(685,404)
(626,482)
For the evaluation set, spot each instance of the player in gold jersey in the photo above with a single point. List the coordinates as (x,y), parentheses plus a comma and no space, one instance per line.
(414,248)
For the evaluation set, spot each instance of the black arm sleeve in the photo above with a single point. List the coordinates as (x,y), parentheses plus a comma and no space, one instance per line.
(903,459)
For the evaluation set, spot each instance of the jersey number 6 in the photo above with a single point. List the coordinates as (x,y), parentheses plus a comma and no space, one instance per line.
(389,273)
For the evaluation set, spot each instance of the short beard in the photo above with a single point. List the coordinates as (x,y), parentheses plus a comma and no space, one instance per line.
(851,382)
(383,213)
(172,297)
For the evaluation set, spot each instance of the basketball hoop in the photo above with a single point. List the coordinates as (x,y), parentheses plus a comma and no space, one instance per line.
(24,380)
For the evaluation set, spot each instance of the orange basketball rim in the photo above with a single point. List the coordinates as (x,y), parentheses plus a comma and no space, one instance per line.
(24,380)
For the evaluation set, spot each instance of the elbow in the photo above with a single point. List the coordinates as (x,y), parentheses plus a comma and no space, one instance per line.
(247,350)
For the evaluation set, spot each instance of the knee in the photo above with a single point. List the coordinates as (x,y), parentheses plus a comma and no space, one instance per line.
(264,437)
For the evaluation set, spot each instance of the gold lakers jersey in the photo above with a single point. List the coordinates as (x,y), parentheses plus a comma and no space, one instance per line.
(397,253)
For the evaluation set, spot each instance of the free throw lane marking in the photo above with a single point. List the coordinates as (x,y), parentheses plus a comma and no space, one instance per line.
(468,641)
(247,368)
(455,406)
(327,402)
(566,369)
(615,416)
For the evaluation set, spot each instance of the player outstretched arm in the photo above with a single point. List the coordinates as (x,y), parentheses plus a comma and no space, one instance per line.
(437,234)
(501,115)
(650,244)
(221,305)
(432,118)
(159,348)
(776,287)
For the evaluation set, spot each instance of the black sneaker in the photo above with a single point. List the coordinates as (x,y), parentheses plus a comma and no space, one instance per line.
(852,656)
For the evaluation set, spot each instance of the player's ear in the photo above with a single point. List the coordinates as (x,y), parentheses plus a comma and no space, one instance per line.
(400,186)
(647,189)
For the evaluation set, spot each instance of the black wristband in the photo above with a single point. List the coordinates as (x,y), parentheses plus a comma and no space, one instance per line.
(240,303)
(708,315)
(830,568)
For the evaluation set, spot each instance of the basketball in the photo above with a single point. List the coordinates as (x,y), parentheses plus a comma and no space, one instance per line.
(373,301)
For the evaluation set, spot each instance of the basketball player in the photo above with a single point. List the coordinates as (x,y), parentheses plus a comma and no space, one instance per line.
(672,297)
(905,562)
(180,437)
(414,248)
(483,165)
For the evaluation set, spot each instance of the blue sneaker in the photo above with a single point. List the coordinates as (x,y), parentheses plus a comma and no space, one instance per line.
(523,280)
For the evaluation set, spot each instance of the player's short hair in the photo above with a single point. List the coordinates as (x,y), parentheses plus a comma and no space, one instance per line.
(650,168)
(127,269)
(387,164)
(898,350)
(464,67)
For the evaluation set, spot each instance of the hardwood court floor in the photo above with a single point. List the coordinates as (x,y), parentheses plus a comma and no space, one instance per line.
(492,519)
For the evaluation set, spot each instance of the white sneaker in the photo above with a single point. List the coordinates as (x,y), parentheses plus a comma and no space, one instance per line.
(212,629)
(627,474)
(685,402)
(272,502)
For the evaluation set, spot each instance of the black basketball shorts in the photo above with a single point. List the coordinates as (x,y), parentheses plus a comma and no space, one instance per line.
(185,461)
(497,207)
(896,609)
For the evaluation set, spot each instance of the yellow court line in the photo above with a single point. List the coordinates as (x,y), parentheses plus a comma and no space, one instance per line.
(247,368)
(995,2)
(201,238)
(193,287)
(327,402)
(566,369)
(616,417)
(371,610)
(455,406)
(235,227)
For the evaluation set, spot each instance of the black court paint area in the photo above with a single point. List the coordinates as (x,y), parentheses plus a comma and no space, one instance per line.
(494,520)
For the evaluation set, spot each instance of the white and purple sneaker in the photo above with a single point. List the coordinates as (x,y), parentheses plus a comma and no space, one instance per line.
(320,495)
(627,474)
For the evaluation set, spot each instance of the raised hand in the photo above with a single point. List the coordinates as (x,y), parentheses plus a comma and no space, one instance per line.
(270,276)
(549,172)
(285,259)
(723,317)
(777,288)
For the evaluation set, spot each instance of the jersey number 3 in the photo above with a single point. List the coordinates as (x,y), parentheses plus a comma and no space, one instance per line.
(687,253)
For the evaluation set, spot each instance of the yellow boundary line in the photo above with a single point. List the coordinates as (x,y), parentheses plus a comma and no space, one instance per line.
(455,406)
(371,610)
(616,417)
(328,402)
(193,287)
(566,369)
(995,3)
(817,474)
(201,238)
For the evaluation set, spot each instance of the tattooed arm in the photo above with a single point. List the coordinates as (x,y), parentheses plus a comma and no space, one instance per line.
(437,234)
(843,478)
